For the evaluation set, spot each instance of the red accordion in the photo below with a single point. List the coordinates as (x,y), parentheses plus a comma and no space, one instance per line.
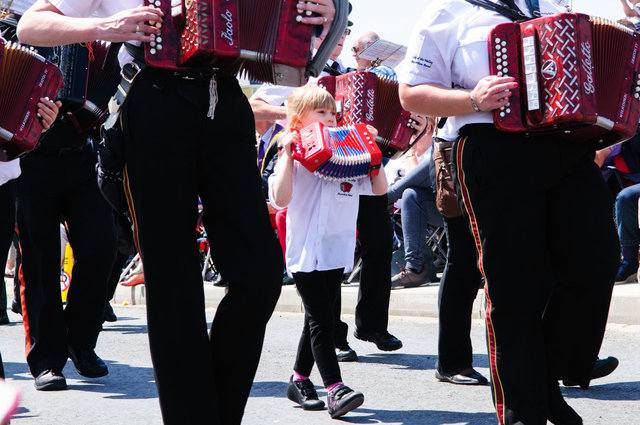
(260,38)
(25,77)
(366,97)
(577,75)
(339,153)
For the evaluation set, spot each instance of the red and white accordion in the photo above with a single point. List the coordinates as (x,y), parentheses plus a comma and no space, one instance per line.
(338,153)
(369,98)
(25,77)
(259,38)
(577,75)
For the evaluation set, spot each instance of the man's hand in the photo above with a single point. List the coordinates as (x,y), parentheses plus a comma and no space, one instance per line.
(326,10)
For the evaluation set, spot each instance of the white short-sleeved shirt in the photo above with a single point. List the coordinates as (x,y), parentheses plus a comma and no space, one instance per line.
(448,46)
(321,220)
(101,8)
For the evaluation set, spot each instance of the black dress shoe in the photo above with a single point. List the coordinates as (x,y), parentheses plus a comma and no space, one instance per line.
(16,306)
(87,363)
(470,378)
(50,380)
(109,314)
(560,413)
(346,354)
(342,400)
(383,340)
(601,368)
(304,393)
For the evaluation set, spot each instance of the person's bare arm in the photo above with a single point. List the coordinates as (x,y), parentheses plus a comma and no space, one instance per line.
(44,25)
(264,111)
(431,99)
(628,11)
(282,188)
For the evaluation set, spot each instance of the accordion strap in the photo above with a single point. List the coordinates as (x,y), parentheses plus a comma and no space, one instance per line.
(514,15)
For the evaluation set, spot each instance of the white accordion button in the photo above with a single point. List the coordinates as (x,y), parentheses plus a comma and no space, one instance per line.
(152,51)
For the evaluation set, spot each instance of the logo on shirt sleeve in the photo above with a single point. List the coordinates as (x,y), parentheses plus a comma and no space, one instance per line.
(424,62)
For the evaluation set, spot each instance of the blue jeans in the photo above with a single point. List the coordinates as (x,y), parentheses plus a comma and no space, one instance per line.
(418,210)
(627,216)
(420,176)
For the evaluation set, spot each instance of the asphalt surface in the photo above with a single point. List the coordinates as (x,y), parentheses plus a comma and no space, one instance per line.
(399,387)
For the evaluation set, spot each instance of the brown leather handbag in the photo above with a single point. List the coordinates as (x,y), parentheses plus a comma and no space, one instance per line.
(446,198)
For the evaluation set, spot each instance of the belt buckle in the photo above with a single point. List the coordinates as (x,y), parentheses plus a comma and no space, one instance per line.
(129,71)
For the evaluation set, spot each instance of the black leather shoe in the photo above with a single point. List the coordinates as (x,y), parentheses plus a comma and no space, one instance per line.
(601,368)
(560,413)
(16,306)
(109,314)
(469,378)
(87,363)
(50,380)
(342,400)
(346,354)
(383,340)
(304,393)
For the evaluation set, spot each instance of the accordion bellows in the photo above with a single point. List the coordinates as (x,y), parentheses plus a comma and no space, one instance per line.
(261,37)
(577,75)
(366,97)
(339,153)
(25,77)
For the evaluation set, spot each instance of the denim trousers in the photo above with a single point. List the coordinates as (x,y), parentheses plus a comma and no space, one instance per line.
(418,210)
(627,216)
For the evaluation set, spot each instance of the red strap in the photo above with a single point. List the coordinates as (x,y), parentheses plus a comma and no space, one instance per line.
(620,163)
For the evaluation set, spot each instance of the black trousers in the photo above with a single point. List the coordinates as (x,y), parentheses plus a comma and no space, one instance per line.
(376,242)
(534,202)
(174,154)
(7,226)
(318,290)
(54,188)
(458,289)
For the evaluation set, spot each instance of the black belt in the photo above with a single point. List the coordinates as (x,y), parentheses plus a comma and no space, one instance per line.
(62,151)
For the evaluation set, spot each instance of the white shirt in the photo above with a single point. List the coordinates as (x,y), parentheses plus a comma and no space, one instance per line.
(448,46)
(321,220)
(101,8)
(9,170)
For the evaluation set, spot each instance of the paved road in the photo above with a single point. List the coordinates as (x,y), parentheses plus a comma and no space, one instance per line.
(399,387)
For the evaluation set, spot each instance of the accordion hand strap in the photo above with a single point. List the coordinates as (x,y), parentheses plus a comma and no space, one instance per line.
(514,15)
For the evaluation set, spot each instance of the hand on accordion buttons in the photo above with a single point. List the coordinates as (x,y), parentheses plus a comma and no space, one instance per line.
(48,112)
(372,130)
(418,122)
(141,23)
(493,92)
(324,8)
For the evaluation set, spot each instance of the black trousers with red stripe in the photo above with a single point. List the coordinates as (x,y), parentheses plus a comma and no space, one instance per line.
(542,217)
(174,154)
(54,188)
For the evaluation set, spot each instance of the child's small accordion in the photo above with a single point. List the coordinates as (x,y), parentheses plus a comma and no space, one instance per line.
(339,153)
(259,38)
(25,77)
(578,75)
(369,98)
